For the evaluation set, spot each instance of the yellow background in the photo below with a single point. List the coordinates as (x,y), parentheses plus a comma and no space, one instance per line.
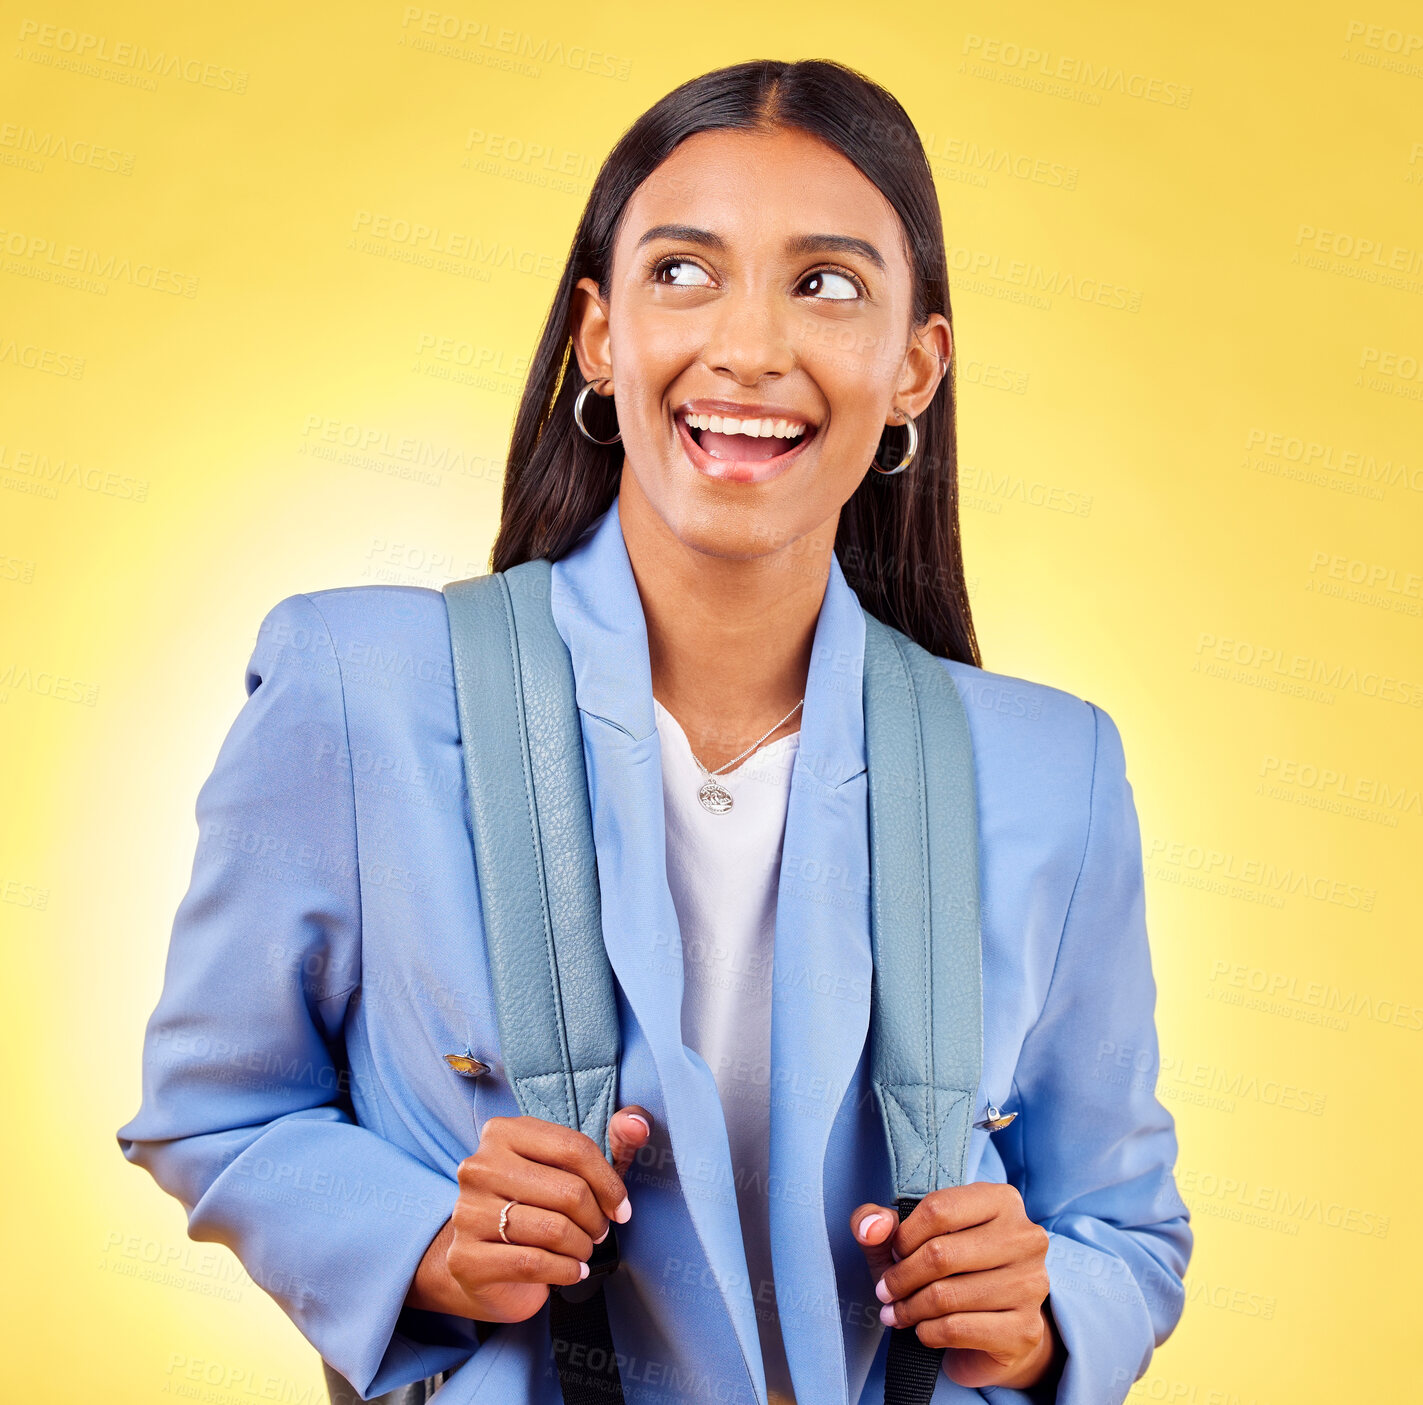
(1196,502)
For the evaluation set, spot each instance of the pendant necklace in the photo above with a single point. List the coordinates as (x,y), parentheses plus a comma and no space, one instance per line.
(715,796)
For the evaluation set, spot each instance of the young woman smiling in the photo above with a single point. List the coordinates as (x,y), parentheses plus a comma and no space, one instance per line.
(737,432)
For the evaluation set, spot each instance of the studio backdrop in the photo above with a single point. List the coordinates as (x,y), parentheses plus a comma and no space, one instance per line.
(270,278)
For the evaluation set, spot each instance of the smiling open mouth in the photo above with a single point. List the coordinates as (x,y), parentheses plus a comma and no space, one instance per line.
(723,437)
(742,449)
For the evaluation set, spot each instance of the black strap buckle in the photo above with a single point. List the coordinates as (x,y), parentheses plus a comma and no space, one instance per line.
(603,1261)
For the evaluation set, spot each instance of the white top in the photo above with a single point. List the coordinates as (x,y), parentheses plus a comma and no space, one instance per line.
(723,871)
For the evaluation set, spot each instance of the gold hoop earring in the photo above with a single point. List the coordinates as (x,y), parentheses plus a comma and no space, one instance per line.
(910,450)
(579,402)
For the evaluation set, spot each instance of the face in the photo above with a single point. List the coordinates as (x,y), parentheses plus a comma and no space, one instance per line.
(757,333)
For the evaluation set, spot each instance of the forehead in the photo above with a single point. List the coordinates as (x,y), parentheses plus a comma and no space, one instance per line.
(762,187)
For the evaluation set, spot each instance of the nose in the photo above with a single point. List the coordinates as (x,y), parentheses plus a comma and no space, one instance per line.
(749,340)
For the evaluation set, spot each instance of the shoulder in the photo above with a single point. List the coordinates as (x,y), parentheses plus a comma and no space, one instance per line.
(385,630)
(395,612)
(1019,711)
(1039,745)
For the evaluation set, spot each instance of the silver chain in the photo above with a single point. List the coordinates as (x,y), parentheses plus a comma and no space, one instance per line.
(749,749)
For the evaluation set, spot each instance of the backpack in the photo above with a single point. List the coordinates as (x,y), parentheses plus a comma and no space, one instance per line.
(558,1023)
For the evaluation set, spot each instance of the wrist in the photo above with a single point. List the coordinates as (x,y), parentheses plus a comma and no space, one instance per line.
(433,1288)
(1043,1365)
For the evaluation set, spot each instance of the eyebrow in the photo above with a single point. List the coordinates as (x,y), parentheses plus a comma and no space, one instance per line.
(801,244)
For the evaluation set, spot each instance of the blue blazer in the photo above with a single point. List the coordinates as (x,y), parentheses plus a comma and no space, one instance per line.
(329,952)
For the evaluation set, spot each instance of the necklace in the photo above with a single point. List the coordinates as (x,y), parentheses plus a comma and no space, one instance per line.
(715,796)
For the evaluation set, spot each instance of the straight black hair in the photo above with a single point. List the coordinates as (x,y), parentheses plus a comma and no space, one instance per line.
(898,538)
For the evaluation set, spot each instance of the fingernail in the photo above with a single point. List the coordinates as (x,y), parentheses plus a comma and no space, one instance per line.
(883,1293)
(894,1253)
(603,1235)
(870,1221)
(638,1117)
(886,1315)
(582,1272)
(624,1211)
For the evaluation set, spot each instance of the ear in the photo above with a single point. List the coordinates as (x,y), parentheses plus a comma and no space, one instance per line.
(588,327)
(926,361)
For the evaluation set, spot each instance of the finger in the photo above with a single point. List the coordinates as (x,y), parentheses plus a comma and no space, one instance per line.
(628,1132)
(955,1208)
(873,1227)
(1004,1335)
(538,1228)
(478,1266)
(501,1175)
(991,1290)
(967,1251)
(562,1147)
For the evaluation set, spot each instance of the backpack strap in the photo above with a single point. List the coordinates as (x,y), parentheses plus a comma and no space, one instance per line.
(533,846)
(927,1008)
(532,829)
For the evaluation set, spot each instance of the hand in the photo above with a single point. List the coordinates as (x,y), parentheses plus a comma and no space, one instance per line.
(967,1270)
(566,1193)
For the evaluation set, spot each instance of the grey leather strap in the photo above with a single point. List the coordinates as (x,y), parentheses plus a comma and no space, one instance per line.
(533,846)
(927,1008)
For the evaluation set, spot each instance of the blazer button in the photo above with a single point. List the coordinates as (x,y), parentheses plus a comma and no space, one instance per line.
(466,1065)
(996,1121)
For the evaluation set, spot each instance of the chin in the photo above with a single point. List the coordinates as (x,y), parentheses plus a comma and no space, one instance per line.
(724,520)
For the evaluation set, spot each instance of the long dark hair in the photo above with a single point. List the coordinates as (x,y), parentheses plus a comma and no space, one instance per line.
(898,537)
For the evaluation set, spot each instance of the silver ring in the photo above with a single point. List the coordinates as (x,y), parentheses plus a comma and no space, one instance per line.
(504,1221)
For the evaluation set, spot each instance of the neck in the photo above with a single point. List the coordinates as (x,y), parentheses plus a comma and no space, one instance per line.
(729,638)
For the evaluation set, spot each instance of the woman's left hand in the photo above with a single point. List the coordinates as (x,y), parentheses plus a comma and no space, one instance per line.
(967,1270)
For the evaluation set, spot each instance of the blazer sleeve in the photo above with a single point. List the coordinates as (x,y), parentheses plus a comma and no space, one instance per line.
(246,1114)
(1095,1150)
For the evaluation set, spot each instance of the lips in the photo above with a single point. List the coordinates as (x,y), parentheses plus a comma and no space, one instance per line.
(758,448)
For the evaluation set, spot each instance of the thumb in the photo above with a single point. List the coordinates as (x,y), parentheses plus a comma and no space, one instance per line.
(874,1227)
(628,1132)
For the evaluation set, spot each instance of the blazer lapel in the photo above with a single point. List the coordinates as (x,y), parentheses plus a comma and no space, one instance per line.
(823,965)
(821,999)
(598,612)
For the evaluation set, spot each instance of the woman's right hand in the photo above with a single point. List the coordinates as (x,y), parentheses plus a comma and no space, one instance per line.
(565,1192)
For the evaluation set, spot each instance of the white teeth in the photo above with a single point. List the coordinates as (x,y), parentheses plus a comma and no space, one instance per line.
(753,429)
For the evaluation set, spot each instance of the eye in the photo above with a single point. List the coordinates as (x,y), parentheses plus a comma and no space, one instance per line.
(680,273)
(826,283)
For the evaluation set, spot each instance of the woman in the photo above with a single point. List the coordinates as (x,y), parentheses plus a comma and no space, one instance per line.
(738,429)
